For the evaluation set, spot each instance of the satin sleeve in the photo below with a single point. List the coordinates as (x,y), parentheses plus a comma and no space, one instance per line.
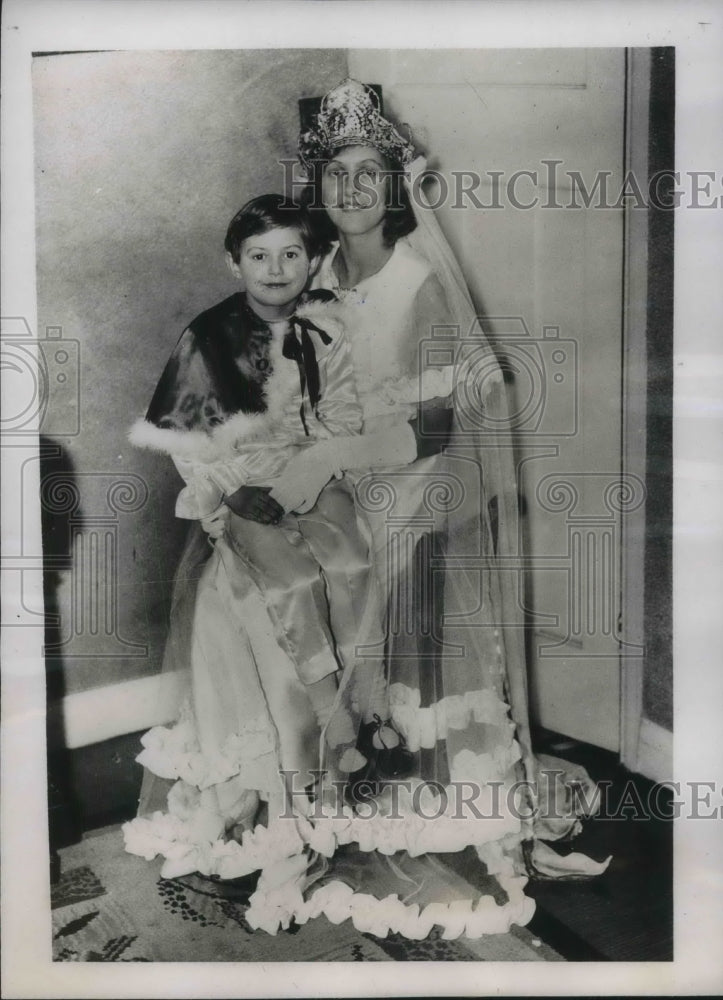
(429,356)
(339,410)
(200,497)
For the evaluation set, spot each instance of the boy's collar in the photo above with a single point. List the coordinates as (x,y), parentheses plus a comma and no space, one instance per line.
(253,319)
(307,298)
(258,322)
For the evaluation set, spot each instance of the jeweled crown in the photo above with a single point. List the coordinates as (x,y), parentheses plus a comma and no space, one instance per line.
(350,115)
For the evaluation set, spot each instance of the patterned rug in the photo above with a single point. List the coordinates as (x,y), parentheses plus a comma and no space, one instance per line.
(109,906)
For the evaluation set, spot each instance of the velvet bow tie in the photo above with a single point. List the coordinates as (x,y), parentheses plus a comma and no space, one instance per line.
(298,346)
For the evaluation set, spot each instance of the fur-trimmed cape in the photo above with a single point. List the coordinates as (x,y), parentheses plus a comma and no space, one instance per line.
(224,382)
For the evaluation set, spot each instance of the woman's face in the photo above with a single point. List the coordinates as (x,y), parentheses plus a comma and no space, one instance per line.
(354,189)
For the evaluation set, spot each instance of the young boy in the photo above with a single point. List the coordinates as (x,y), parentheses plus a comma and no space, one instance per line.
(253,381)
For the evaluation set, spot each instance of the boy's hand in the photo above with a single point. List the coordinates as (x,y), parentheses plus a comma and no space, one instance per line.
(255,504)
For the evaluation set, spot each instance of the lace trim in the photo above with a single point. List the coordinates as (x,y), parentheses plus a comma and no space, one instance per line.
(175,752)
(422,727)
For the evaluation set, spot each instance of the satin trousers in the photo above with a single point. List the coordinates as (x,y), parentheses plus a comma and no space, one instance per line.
(314,571)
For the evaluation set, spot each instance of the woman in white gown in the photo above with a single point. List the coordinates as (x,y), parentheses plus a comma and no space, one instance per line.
(444,527)
(441,528)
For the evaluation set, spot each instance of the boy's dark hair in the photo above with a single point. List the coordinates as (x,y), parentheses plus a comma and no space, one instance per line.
(272,211)
(399,217)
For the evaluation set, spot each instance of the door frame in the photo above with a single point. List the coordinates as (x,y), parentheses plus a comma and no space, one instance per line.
(634,403)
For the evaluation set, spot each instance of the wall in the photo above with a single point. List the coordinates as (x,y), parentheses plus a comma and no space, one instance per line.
(141,160)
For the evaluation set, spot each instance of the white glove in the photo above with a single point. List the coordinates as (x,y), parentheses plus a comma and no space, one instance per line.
(215,524)
(306,475)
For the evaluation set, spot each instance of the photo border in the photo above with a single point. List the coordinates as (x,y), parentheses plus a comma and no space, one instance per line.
(696,31)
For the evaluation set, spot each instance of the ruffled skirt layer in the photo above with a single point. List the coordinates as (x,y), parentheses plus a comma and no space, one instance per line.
(246,732)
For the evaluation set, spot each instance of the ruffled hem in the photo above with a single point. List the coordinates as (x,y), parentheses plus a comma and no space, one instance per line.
(481,769)
(412,818)
(422,727)
(276,903)
(175,752)
(188,847)
(190,838)
(279,852)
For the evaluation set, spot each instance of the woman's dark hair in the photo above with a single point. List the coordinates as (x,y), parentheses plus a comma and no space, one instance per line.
(272,211)
(399,218)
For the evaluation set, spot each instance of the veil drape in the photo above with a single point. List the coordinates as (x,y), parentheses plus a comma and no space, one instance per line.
(484,583)
(454,584)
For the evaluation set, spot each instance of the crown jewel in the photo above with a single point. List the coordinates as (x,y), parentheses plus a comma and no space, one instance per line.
(350,116)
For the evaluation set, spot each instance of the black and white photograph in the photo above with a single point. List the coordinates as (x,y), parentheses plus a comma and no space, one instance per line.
(359,442)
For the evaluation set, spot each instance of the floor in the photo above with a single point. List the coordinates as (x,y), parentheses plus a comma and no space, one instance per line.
(108,905)
(624,915)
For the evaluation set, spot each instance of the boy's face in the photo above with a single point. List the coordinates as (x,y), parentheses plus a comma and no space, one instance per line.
(274,268)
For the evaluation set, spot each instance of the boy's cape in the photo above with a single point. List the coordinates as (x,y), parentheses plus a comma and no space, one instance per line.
(224,382)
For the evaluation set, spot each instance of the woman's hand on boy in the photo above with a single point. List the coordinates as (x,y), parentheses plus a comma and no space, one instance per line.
(305,476)
(255,504)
